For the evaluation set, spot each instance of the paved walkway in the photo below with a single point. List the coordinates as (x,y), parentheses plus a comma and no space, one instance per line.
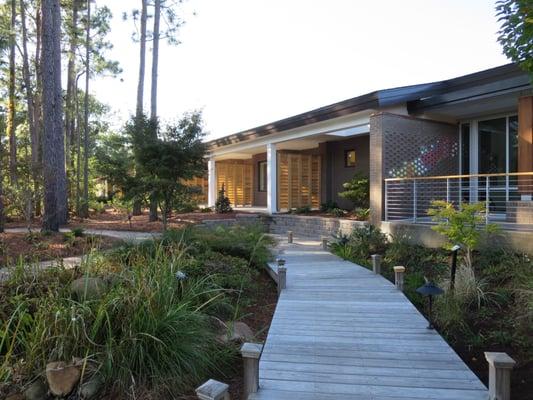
(341,332)
(124,235)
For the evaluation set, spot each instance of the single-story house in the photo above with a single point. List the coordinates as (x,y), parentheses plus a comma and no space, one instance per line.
(463,139)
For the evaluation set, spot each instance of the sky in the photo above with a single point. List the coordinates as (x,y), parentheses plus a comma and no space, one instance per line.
(245,63)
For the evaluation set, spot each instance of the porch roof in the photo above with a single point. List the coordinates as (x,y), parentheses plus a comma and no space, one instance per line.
(417,97)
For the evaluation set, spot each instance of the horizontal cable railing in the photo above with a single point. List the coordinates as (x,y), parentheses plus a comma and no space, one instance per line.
(507,197)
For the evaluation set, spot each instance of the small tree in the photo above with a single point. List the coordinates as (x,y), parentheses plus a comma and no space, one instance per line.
(462,226)
(357,191)
(222,205)
(168,158)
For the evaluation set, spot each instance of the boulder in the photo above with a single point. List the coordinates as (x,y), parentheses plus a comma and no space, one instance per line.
(16,396)
(62,377)
(87,288)
(239,332)
(90,389)
(36,391)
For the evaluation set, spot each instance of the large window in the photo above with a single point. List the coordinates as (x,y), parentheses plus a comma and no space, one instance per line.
(262,178)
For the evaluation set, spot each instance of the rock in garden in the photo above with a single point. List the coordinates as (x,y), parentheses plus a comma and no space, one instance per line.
(62,377)
(88,288)
(36,391)
(16,396)
(90,389)
(239,332)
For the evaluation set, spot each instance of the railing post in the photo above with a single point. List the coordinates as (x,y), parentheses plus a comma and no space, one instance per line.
(414,200)
(447,190)
(289,237)
(250,354)
(487,201)
(386,200)
(213,390)
(376,263)
(398,277)
(500,366)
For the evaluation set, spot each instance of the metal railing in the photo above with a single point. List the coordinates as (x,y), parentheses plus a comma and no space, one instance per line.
(507,197)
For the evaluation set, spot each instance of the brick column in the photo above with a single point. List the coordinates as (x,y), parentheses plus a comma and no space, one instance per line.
(376,169)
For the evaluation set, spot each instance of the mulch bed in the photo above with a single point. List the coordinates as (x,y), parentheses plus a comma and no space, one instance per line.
(258,316)
(521,376)
(38,247)
(112,219)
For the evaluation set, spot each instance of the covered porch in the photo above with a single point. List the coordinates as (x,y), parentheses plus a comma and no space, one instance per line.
(304,167)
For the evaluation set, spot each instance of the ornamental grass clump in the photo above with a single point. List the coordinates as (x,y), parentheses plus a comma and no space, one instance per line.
(147,330)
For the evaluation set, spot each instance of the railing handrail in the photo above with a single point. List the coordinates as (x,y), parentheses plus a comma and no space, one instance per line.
(412,178)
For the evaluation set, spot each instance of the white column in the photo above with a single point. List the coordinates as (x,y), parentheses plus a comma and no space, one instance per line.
(212,182)
(272,174)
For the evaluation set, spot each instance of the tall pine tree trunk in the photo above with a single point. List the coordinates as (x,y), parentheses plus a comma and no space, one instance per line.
(140,85)
(70,96)
(38,112)
(153,94)
(78,150)
(85,204)
(11,98)
(55,180)
(29,100)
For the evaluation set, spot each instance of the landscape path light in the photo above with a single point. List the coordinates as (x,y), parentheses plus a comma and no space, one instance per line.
(455,250)
(429,289)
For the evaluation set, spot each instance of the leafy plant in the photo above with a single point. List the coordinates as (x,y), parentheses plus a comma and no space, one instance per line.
(302,210)
(357,191)
(337,212)
(78,232)
(328,205)
(222,205)
(462,226)
(362,213)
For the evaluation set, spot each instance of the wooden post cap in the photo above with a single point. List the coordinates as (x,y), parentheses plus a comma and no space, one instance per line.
(251,350)
(212,390)
(399,268)
(500,360)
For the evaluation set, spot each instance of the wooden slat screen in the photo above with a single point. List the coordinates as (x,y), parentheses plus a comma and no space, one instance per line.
(202,183)
(298,180)
(237,177)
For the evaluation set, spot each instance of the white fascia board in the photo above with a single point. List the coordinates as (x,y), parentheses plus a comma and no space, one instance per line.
(358,120)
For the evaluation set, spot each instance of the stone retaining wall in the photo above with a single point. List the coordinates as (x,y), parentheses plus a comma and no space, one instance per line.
(300,225)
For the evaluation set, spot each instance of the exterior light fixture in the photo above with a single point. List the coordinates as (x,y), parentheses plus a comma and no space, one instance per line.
(429,289)
(453,267)
(181,276)
(281,262)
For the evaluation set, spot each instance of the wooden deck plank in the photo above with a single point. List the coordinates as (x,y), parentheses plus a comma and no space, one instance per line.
(341,332)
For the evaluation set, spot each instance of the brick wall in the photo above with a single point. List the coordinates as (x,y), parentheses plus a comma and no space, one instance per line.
(403,146)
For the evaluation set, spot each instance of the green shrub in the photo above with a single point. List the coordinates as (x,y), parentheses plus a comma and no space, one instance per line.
(301,210)
(337,212)
(78,232)
(362,213)
(357,191)
(328,205)
(222,204)
(368,240)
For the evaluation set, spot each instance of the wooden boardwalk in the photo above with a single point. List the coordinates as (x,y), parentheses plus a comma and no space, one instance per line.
(341,332)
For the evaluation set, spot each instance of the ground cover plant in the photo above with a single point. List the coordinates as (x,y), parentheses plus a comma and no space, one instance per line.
(145,320)
(490,309)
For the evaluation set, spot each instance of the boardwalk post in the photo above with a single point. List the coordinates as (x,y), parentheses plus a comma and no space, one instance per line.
(500,366)
(376,264)
(324,243)
(398,277)
(289,237)
(282,275)
(213,390)
(250,354)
